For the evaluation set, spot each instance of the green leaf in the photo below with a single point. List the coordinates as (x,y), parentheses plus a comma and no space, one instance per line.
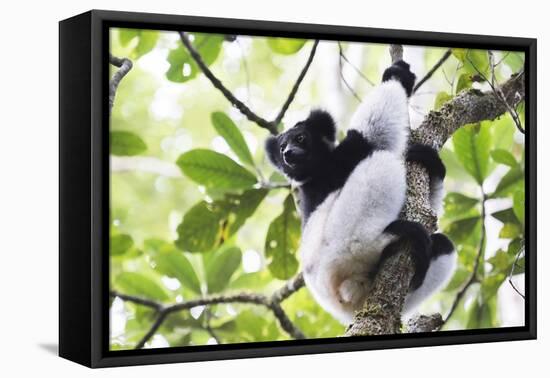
(501,261)
(207,225)
(182,65)
(504,157)
(461,230)
(474,61)
(215,170)
(472,145)
(146,40)
(173,263)
(514,60)
(490,285)
(281,242)
(202,227)
(221,267)
(519,268)
(457,204)
(126,35)
(513,180)
(482,314)
(125,143)
(232,135)
(241,207)
(506,216)
(510,231)
(441,98)
(519,205)
(119,244)
(138,284)
(457,281)
(515,247)
(464,82)
(286,46)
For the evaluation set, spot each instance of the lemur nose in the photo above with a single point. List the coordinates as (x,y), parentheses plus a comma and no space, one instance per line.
(288,154)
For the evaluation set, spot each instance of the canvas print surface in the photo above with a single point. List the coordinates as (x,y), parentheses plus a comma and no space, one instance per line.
(267,189)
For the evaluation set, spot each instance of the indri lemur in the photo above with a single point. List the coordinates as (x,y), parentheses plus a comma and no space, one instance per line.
(351,194)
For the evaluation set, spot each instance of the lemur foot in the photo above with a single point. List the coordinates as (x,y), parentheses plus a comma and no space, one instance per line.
(351,290)
(420,246)
(401,72)
(441,245)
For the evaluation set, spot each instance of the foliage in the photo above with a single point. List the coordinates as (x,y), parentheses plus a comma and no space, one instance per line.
(222,227)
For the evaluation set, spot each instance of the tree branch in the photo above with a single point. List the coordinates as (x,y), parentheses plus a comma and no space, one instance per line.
(381,313)
(271,126)
(467,107)
(424,323)
(511,275)
(396,53)
(245,110)
(125,66)
(272,302)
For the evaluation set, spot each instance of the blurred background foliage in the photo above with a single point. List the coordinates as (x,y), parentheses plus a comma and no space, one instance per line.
(196,209)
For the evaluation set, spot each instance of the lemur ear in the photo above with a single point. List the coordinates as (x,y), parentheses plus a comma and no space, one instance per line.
(272,151)
(321,122)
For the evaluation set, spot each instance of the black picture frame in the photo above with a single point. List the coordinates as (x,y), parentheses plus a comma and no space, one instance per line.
(84,188)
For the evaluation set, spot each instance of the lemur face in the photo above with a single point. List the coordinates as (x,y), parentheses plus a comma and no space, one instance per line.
(299,152)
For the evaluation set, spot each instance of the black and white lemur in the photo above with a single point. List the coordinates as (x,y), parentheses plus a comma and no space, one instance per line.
(351,194)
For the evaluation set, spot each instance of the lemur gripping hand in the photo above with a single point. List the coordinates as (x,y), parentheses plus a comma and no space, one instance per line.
(401,72)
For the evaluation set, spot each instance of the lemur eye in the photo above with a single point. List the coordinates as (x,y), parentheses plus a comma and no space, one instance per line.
(300,138)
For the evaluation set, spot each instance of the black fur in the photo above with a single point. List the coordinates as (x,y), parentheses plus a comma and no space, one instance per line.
(420,244)
(429,159)
(315,162)
(441,245)
(401,72)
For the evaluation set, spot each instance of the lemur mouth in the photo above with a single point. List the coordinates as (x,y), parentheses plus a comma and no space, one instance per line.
(290,162)
(294,159)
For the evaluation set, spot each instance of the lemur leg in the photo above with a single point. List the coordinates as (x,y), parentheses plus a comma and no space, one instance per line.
(430,160)
(442,265)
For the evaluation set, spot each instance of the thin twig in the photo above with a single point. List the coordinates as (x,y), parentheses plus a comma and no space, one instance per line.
(125,65)
(521,251)
(498,91)
(480,253)
(436,66)
(272,302)
(296,85)
(342,77)
(246,73)
(208,327)
(345,58)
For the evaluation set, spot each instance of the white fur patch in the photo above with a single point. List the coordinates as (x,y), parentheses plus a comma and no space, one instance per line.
(383,117)
(438,275)
(343,238)
(437,193)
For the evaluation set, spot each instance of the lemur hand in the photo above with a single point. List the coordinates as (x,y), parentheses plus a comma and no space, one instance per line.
(401,72)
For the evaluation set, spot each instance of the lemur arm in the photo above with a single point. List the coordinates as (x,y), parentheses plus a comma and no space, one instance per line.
(383,117)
